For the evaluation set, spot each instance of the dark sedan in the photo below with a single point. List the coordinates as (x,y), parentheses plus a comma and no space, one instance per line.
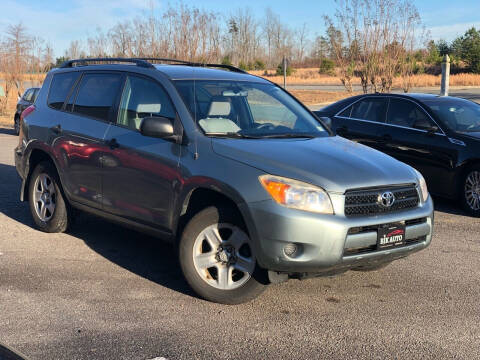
(27,99)
(439,136)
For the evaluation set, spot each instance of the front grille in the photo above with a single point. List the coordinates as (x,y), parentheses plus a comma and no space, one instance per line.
(366,201)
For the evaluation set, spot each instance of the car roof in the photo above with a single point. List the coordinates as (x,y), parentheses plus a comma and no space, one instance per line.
(185,72)
(175,72)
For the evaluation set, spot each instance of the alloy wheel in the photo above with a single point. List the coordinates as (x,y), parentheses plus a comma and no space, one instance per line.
(222,256)
(472,190)
(44,197)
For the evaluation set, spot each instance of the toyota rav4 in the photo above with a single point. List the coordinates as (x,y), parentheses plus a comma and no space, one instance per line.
(250,185)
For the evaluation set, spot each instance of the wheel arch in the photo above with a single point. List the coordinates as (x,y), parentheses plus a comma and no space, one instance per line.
(462,170)
(35,156)
(201,197)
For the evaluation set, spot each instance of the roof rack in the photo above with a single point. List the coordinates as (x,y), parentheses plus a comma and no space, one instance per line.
(84,62)
(191,63)
(146,62)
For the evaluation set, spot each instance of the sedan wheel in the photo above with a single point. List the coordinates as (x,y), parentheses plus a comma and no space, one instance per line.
(472,190)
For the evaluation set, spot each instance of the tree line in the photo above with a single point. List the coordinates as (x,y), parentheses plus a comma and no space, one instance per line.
(373,40)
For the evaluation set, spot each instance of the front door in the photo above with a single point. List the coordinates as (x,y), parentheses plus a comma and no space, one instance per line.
(140,173)
(409,135)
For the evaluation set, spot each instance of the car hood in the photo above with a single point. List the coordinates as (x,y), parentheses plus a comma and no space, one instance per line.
(470,135)
(333,163)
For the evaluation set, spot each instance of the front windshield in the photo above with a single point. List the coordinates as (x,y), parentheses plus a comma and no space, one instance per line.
(459,115)
(246,109)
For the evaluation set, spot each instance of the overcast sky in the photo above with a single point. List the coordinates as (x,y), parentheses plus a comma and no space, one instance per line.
(60,21)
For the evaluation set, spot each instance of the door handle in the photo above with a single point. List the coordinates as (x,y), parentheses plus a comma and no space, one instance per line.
(112,143)
(57,129)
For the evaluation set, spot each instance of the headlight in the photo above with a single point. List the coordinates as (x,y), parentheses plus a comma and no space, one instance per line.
(296,194)
(423,186)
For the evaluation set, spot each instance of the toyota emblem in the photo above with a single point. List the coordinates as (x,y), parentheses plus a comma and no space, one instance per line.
(386,199)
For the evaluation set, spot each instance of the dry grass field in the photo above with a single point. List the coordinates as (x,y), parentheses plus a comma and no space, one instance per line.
(305,76)
(319,97)
(310,76)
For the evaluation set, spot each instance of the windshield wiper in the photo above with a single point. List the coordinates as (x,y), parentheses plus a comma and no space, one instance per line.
(231,135)
(288,135)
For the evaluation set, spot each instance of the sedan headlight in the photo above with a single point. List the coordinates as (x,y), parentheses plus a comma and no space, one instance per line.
(296,194)
(423,186)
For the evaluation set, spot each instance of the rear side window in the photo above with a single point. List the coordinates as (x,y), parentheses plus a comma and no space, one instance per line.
(96,95)
(60,87)
(372,109)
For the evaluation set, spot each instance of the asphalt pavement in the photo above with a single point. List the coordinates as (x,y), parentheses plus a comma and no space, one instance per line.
(105,292)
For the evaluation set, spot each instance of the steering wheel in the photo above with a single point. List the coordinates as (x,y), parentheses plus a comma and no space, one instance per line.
(267,126)
(472,126)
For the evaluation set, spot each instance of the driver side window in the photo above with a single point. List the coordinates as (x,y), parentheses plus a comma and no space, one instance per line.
(142,98)
(407,114)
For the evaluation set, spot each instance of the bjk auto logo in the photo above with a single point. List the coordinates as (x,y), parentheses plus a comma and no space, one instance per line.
(392,237)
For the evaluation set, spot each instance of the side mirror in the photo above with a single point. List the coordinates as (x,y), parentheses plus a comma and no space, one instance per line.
(157,126)
(327,121)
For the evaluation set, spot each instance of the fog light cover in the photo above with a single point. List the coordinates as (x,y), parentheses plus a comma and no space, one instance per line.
(290,249)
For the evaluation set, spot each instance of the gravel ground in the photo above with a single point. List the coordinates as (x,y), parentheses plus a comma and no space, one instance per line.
(104,292)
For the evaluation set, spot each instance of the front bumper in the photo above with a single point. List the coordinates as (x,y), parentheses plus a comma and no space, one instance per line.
(330,243)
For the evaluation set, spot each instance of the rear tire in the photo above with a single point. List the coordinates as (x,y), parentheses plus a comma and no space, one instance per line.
(469,191)
(217,258)
(48,207)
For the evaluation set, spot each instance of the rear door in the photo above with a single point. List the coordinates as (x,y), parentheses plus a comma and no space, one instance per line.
(141,173)
(80,134)
(406,137)
(360,121)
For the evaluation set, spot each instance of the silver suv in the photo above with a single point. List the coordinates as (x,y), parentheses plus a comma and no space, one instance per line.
(245,180)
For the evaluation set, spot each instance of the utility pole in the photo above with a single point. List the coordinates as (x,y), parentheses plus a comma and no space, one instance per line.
(284,72)
(445,76)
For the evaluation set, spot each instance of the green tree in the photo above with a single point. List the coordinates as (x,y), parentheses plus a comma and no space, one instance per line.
(467,48)
(327,66)
(226,60)
(433,55)
(442,47)
(60,60)
(280,70)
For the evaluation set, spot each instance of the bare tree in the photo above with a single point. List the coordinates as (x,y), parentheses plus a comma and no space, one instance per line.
(17,46)
(377,37)
(120,37)
(301,41)
(75,50)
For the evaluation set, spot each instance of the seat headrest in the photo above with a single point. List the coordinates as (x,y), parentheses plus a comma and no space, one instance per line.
(220,107)
(149,108)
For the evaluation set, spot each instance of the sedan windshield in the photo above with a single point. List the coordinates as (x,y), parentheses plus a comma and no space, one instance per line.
(241,109)
(459,115)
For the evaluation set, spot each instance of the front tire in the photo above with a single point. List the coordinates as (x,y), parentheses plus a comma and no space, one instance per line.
(217,258)
(470,191)
(48,207)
